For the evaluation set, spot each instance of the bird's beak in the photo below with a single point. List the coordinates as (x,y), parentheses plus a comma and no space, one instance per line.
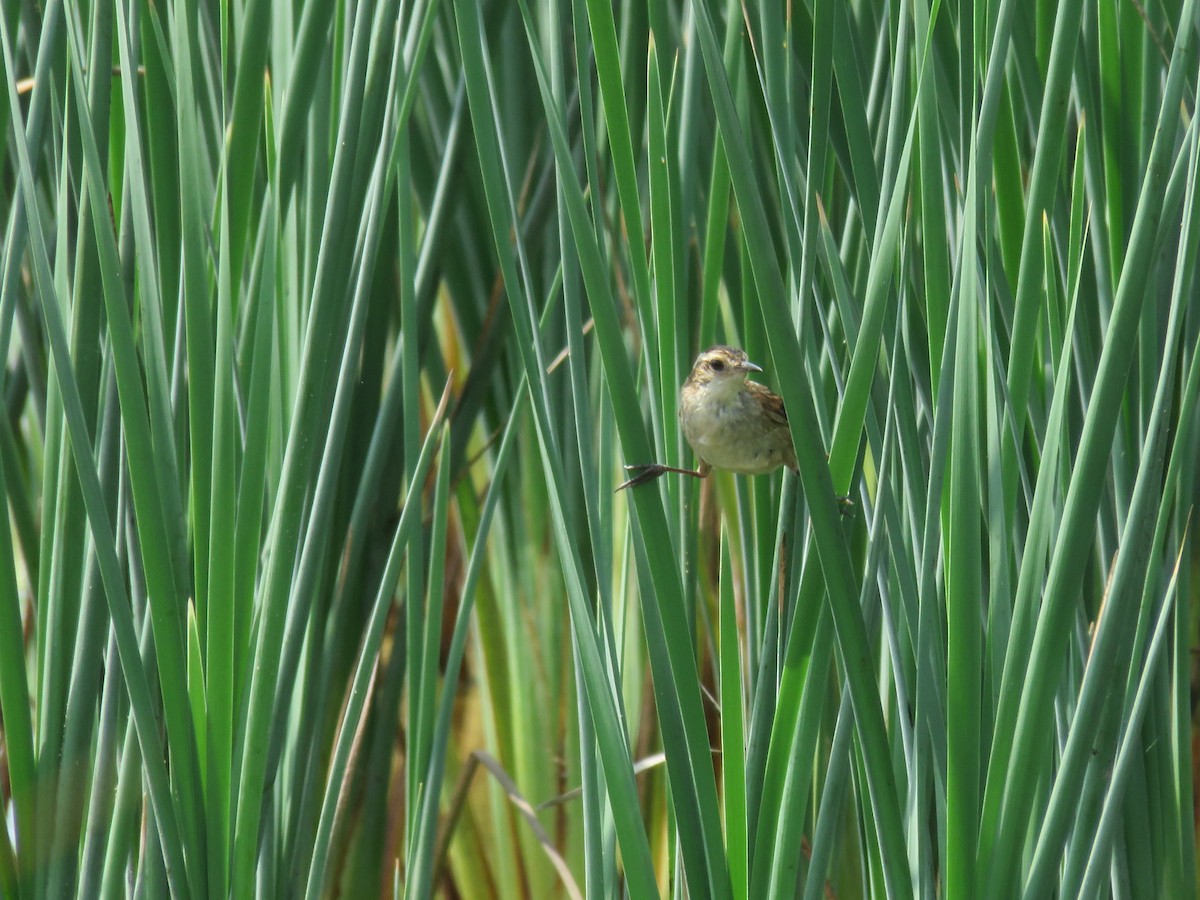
(751,367)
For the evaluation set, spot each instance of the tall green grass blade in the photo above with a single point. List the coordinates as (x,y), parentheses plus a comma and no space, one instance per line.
(1027,712)
(613,746)
(14,704)
(366,666)
(964,574)
(814,474)
(135,673)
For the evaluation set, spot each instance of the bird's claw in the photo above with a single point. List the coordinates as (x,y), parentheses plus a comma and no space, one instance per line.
(648,472)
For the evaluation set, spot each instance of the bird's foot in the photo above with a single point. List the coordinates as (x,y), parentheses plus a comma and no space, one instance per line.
(650,471)
(646,472)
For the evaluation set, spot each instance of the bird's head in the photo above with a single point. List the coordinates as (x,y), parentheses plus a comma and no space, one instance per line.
(723,368)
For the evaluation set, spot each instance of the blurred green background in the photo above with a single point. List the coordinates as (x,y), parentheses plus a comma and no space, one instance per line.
(328,328)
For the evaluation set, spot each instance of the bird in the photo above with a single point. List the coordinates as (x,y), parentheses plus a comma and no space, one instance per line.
(730,421)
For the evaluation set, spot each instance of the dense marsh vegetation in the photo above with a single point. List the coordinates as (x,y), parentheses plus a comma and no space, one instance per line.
(328,328)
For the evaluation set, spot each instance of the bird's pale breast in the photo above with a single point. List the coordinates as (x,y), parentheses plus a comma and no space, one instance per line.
(732,432)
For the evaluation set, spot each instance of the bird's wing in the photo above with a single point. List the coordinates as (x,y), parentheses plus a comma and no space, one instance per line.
(771,402)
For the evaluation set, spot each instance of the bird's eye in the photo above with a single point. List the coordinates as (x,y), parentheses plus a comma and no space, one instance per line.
(717,365)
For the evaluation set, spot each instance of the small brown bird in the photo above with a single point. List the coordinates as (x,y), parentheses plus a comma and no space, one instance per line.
(729,421)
